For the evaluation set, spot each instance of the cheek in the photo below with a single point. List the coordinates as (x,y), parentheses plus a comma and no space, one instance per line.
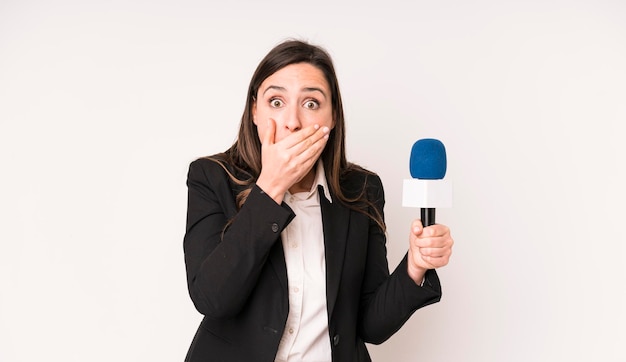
(321,117)
(326,120)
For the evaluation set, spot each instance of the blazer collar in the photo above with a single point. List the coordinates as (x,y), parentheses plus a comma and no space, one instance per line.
(319,184)
(335,220)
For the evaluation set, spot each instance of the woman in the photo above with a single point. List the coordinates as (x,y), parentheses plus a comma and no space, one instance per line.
(285,241)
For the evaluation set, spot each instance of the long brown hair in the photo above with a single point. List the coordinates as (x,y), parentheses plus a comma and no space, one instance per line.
(245,154)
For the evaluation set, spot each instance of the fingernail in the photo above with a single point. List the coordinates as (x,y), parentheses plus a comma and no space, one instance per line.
(317,126)
(326,129)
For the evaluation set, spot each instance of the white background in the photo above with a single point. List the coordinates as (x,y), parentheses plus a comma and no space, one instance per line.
(103,104)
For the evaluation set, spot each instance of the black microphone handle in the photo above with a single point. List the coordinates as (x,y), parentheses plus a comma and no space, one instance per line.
(428,216)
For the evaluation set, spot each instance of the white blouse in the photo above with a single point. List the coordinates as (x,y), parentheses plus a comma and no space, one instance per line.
(306,337)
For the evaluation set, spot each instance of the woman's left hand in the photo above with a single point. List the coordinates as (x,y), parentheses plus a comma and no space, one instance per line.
(429,248)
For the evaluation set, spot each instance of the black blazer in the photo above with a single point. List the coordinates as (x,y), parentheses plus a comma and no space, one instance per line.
(237,277)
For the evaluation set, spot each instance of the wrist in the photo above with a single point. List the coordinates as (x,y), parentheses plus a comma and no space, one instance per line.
(417,274)
(274,192)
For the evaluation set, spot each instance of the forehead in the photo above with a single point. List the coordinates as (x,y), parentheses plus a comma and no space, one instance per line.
(299,75)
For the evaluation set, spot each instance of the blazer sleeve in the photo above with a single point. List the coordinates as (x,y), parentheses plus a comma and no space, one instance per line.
(387,301)
(223,265)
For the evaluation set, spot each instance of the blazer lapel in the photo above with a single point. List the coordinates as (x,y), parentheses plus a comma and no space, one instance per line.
(335,220)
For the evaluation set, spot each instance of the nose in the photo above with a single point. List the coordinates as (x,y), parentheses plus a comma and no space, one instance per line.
(293,122)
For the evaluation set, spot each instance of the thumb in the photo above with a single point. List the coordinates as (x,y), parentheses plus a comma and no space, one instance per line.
(417,227)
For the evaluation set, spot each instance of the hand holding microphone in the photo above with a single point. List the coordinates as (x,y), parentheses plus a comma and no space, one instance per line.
(430,244)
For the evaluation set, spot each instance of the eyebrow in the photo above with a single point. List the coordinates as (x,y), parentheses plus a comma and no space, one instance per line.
(315,89)
(306,89)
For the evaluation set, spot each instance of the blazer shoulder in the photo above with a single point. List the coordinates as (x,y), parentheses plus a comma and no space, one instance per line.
(212,173)
(205,170)
(211,163)
(217,165)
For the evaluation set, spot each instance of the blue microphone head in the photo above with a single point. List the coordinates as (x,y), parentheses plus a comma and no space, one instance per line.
(428,159)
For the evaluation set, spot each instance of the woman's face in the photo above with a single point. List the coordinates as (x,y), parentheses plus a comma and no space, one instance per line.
(295,97)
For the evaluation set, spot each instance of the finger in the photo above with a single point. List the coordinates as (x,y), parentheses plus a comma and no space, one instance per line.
(307,159)
(297,138)
(270,132)
(432,234)
(435,263)
(312,147)
(306,138)
(308,151)
(433,242)
(437,230)
(320,136)
(435,252)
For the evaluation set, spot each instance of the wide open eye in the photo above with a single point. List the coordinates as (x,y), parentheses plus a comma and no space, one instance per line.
(311,104)
(276,103)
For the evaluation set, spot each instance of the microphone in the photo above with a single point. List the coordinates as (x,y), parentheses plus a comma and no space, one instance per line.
(427,190)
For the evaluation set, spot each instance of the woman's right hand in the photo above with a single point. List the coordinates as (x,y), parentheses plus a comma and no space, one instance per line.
(288,161)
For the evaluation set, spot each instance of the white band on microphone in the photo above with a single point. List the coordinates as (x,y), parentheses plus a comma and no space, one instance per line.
(427,193)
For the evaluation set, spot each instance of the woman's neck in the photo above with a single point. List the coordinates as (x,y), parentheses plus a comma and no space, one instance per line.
(305,184)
